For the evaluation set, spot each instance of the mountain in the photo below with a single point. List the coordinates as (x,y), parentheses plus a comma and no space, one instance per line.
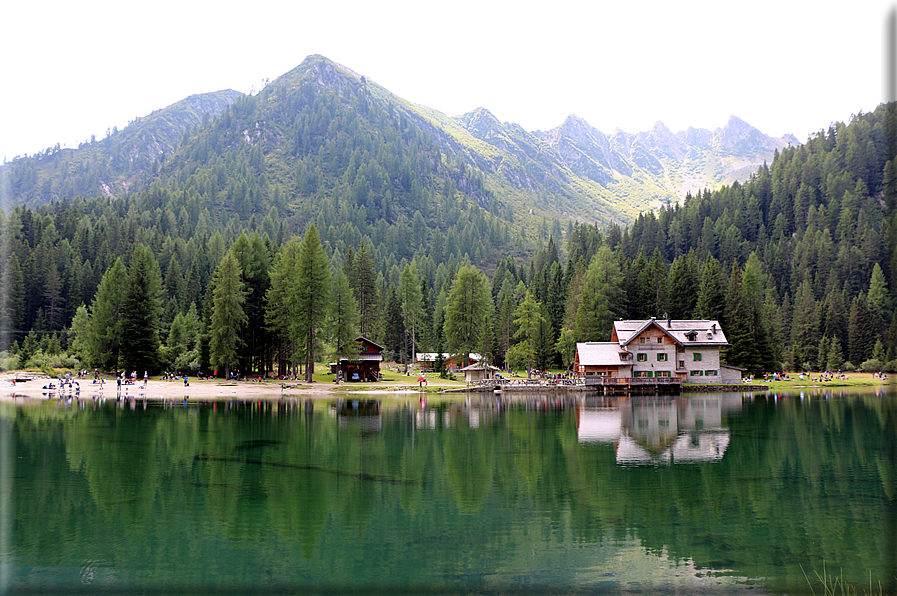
(573,170)
(125,161)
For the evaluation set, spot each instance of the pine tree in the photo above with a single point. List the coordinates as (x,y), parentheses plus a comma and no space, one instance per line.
(282,305)
(343,318)
(860,335)
(711,300)
(805,332)
(683,280)
(313,295)
(600,297)
(363,281)
(412,307)
(228,316)
(105,336)
(395,326)
(742,351)
(528,318)
(467,310)
(141,310)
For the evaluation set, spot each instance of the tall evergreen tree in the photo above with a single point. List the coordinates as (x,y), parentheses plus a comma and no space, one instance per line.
(313,295)
(141,310)
(363,280)
(466,310)
(860,334)
(228,315)
(805,332)
(600,300)
(395,326)
(105,318)
(741,350)
(711,299)
(683,281)
(528,319)
(343,318)
(412,305)
(282,304)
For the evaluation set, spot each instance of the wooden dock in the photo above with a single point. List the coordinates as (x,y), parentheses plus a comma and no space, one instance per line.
(596,384)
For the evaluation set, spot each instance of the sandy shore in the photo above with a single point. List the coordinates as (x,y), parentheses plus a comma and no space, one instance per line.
(158,389)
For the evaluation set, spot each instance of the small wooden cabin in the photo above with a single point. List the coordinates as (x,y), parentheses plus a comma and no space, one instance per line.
(365,367)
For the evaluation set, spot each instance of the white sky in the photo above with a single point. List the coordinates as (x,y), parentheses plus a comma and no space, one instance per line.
(75,68)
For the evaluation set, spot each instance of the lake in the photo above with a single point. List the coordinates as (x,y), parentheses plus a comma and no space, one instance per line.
(558,493)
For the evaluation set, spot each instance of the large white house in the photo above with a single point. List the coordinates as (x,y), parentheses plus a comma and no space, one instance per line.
(688,351)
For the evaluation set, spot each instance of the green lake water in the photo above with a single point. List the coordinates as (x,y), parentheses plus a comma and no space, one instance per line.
(539,494)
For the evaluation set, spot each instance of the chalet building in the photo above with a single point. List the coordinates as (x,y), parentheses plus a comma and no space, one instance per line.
(365,367)
(665,350)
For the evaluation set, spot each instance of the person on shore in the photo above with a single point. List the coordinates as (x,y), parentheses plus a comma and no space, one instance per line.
(186,381)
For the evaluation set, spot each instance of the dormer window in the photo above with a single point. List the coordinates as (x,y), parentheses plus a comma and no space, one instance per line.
(692,335)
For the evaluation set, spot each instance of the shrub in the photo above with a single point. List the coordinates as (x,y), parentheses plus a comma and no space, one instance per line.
(44,361)
(872,365)
(8,361)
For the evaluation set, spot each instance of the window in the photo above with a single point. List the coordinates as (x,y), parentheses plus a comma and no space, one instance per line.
(660,340)
(682,364)
(663,373)
(697,357)
(697,373)
(642,357)
(643,340)
(710,373)
(661,357)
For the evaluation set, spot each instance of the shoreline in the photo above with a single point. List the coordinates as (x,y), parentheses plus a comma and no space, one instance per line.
(211,389)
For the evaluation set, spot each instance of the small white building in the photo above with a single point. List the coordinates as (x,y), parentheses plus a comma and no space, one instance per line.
(427,360)
(479,372)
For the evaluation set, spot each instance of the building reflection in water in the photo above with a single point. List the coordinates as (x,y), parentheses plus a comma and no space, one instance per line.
(660,431)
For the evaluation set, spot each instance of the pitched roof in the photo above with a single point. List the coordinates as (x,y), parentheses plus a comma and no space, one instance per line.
(363,339)
(704,332)
(431,356)
(478,366)
(600,353)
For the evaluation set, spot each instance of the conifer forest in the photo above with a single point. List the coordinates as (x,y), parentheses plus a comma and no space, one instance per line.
(301,218)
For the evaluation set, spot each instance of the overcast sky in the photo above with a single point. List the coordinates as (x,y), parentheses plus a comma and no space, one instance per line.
(76,68)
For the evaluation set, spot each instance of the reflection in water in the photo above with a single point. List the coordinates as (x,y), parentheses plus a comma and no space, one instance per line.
(552,493)
(657,431)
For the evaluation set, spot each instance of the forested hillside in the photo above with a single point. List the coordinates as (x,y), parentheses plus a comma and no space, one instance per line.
(573,170)
(124,161)
(220,262)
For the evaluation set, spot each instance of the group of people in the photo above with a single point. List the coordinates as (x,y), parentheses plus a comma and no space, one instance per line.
(824,376)
(776,376)
(124,379)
